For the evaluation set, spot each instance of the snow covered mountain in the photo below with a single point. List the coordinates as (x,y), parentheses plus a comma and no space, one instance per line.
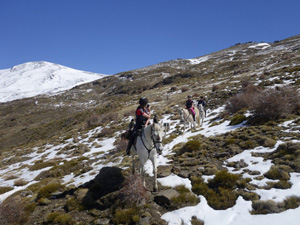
(36,78)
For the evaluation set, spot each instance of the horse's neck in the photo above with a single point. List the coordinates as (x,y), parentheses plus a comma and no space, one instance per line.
(186,112)
(147,131)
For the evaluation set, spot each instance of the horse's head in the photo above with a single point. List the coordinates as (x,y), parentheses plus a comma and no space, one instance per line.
(157,135)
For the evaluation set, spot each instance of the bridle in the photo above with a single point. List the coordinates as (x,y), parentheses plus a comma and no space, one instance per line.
(154,142)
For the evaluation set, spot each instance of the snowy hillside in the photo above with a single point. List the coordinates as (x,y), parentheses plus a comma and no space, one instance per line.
(35,78)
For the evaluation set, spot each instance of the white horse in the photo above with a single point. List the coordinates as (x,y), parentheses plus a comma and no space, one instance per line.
(147,145)
(187,117)
(201,113)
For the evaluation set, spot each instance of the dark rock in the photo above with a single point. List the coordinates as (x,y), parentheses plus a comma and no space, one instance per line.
(162,200)
(222,155)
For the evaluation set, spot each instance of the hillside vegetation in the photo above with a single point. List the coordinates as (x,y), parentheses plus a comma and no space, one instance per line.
(63,161)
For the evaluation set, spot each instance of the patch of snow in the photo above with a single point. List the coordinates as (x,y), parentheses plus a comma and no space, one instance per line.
(260,46)
(198,60)
(37,78)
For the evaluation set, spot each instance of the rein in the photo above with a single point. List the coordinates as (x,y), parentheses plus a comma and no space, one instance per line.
(153,141)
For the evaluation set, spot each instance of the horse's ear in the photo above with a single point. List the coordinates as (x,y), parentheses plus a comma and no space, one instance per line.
(155,120)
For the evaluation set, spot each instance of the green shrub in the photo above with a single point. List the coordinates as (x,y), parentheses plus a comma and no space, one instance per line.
(190,146)
(237,119)
(292,202)
(169,139)
(224,179)
(59,218)
(218,197)
(126,216)
(277,173)
(184,198)
(230,141)
(284,149)
(72,204)
(46,191)
(196,221)
(282,184)
(5,189)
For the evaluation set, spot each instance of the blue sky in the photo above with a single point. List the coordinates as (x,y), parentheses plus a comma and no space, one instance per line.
(111,36)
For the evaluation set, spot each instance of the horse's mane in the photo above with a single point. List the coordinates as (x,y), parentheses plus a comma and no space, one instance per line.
(155,120)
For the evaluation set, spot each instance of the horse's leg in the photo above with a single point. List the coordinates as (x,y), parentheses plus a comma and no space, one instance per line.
(154,163)
(142,171)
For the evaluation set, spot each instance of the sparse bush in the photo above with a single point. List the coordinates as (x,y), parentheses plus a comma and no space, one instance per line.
(264,207)
(266,141)
(121,145)
(158,99)
(105,132)
(173,89)
(10,177)
(271,104)
(215,88)
(109,117)
(20,182)
(184,89)
(93,121)
(134,190)
(129,113)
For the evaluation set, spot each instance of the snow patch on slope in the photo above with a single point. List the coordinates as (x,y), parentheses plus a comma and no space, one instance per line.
(36,78)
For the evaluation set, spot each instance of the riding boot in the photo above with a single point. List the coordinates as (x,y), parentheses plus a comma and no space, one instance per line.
(130,142)
(194,117)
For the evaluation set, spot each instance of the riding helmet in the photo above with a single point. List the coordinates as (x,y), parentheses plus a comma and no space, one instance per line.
(143,101)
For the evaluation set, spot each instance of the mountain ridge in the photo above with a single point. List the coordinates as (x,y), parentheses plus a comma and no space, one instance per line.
(35,78)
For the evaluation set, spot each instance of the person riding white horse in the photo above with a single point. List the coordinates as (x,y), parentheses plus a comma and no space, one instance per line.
(146,141)
(189,105)
(201,114)
(201,101)
(142,114)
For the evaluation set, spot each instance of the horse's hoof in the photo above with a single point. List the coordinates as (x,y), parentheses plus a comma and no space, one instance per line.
(154,189)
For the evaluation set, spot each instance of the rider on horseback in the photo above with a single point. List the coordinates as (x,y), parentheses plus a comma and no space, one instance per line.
(202,102)
(189,104)
(142,114)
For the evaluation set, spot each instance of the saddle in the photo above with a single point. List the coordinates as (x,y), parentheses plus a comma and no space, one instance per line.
(132,139)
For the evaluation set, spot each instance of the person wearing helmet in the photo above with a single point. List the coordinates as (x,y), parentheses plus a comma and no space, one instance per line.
(142,118)
(202,102)
(189,104)
(142,114)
